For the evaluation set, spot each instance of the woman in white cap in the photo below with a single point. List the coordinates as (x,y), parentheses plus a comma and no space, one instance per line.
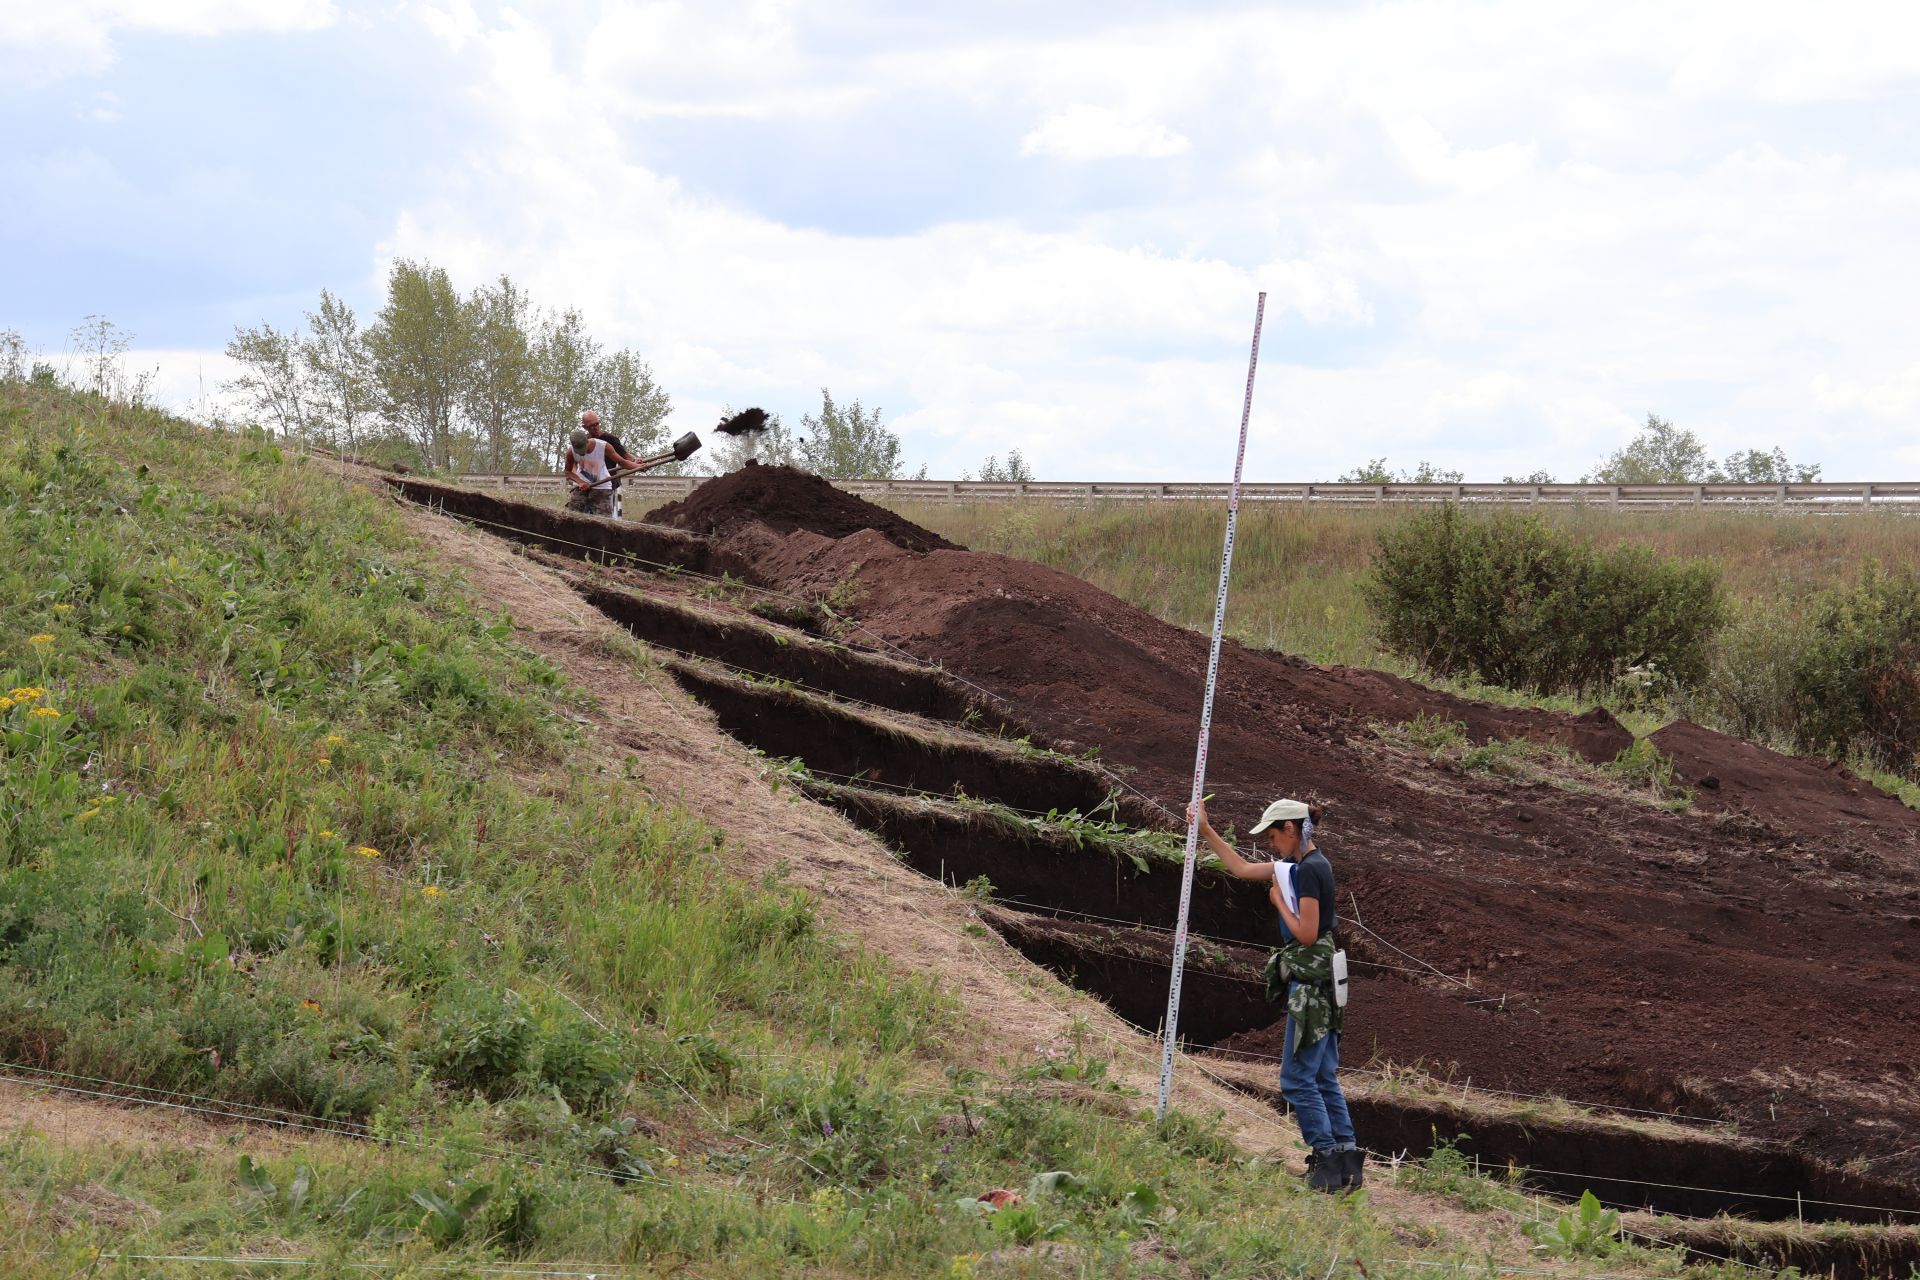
(1300,885)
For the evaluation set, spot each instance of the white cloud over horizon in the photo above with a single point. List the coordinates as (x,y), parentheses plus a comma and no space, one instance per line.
(1493,235)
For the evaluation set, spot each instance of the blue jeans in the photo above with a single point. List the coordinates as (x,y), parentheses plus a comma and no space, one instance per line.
(1310,1082)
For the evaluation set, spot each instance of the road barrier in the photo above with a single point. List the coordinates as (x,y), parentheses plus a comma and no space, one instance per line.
(1761,498)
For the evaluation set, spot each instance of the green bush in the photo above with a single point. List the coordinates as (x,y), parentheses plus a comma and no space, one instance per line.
(1856,683)
(1517,602)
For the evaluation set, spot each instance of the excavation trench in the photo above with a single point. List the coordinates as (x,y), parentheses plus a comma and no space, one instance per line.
(1632,1166)
(783,653)
(1635,1166)
(858,744)
(1843,1251)
(1039,864)
(565,533)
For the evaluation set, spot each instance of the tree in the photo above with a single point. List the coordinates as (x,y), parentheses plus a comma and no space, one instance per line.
(1376,471)
(1532,477)
(631,403)
(1752,466)
(420,348)
(273,381)
(1013,471)
(1665,454)
(848,442)
(1661,454)
(498,392)
(340,391)
(565,362)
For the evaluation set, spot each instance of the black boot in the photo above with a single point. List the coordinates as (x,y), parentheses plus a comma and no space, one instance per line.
(1352,1168)
(1325,1170)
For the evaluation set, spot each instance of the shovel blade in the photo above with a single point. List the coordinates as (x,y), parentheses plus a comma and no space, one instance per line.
(685,447)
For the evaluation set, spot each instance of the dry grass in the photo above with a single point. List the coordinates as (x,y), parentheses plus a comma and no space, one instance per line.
(1296,574)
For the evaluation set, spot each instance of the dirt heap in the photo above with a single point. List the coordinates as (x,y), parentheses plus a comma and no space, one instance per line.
(786,499)
(1733,959)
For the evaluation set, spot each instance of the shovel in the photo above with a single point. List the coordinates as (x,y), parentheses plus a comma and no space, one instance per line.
(683,448)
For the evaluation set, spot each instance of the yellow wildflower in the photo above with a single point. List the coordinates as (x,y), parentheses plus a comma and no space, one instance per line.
(323,761)
(325,834)
(332,740)
(42,639)
(27,693)
(91,813)
(431,891)
(45,713)
(63,609)
(367,851)
(6,704)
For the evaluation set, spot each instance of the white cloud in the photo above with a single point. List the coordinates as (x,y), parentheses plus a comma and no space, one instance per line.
(1496,234)
(43,40)
(1085,132)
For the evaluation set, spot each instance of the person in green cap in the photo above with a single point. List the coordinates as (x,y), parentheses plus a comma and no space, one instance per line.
(1309,974)
(590,464)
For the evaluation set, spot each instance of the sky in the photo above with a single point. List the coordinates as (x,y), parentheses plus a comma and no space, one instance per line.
(1493,234)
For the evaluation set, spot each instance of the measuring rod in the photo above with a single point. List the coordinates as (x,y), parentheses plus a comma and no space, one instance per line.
(1170,1037)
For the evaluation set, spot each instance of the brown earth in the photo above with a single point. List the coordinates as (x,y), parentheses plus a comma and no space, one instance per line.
(1755,959)
(785,499)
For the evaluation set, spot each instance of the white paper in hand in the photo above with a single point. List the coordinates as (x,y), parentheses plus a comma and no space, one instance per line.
(1283,876)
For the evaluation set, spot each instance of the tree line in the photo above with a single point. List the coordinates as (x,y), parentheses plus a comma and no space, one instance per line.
(484,381)
(487,381)
(1661,454)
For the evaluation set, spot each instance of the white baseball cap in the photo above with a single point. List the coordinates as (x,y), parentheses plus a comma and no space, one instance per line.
(1280,811)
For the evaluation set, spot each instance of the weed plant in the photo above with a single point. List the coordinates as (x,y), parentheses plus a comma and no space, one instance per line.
(288,819)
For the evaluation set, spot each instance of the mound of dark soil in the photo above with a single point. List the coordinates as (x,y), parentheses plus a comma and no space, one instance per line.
(786,499)
(1732,775)
(1757,958)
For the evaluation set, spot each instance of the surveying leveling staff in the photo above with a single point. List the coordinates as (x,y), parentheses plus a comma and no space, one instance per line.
(1304,973)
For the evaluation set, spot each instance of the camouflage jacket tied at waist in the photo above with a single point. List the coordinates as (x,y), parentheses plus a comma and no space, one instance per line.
(1309,1000)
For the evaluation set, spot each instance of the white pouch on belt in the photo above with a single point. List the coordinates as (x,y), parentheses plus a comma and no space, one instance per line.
(1340,979)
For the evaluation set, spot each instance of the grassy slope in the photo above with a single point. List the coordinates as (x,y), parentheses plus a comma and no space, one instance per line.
(288,824)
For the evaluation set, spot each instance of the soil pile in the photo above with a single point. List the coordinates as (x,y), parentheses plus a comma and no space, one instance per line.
(786,499)
(1731,775)
(1746,963)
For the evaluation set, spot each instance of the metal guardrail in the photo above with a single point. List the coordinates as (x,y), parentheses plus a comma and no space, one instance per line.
(1764,498)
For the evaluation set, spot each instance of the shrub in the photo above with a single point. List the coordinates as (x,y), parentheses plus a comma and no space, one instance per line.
(1517,602)
(1856,683)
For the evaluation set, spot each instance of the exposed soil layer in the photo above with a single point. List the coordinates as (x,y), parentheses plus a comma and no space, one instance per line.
(1733,964)
(1845,1253)
(1038,865)
(785,499)
(786,654)
(1625,1165)
(851,743)
(1732,775)
(567,532)
(1221,991)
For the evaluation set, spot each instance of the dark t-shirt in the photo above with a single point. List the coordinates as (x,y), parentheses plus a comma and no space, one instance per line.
(613,443)
(1313,878)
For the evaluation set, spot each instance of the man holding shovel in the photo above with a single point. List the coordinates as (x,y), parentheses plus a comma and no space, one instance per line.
(589,470)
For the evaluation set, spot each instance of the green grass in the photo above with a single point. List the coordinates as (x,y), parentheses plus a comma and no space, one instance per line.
(289,820)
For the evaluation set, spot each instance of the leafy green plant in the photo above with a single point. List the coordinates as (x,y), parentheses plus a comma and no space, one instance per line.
(1520,602)
(1588,1231)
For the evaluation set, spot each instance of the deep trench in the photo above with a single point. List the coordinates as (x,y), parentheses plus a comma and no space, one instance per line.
(1624,1166)
(850,744)
(814,664)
